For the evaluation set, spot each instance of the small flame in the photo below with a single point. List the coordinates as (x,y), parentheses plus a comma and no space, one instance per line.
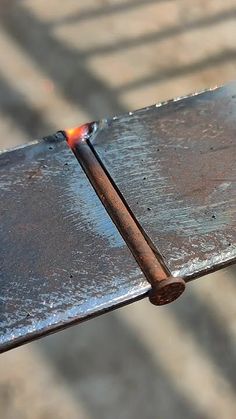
(74,135)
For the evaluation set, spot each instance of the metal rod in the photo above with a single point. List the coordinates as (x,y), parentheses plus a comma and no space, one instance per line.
(165,288)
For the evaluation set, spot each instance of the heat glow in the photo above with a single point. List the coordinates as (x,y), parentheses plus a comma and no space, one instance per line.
(74,135)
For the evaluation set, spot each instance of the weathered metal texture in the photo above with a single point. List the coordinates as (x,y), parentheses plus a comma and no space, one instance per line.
(62,260)
(175,165)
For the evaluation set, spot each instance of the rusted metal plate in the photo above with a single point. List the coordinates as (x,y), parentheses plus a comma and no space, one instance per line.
(61,258)
(175,166)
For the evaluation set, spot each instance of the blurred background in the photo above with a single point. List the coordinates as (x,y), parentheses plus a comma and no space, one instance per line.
(65,63)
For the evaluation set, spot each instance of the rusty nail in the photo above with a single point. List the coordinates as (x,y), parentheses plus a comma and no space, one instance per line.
(165,288)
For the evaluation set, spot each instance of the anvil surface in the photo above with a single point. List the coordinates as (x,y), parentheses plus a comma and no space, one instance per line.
(62,260)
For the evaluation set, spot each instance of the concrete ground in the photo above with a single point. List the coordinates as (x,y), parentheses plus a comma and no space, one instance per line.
(63,63)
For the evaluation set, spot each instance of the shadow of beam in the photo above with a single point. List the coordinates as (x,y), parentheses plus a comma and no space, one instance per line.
(211,335)
(104,358)
(110,9)
(14,105)
(163,35)
(62,64)
(166,74)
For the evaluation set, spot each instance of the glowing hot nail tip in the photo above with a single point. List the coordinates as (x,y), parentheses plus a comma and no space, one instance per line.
(75,135)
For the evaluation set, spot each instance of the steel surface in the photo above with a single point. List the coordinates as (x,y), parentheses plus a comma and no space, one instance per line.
(61,258)
(175,166)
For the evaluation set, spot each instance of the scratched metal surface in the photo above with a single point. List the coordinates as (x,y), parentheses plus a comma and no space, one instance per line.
(61,258)
(175,165)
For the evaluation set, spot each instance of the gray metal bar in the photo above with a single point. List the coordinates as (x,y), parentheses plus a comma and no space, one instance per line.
(62,260)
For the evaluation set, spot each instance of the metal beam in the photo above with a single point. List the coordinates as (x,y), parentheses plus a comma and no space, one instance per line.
(62,260)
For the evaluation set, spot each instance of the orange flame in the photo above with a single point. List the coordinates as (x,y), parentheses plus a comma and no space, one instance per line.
(74,135)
